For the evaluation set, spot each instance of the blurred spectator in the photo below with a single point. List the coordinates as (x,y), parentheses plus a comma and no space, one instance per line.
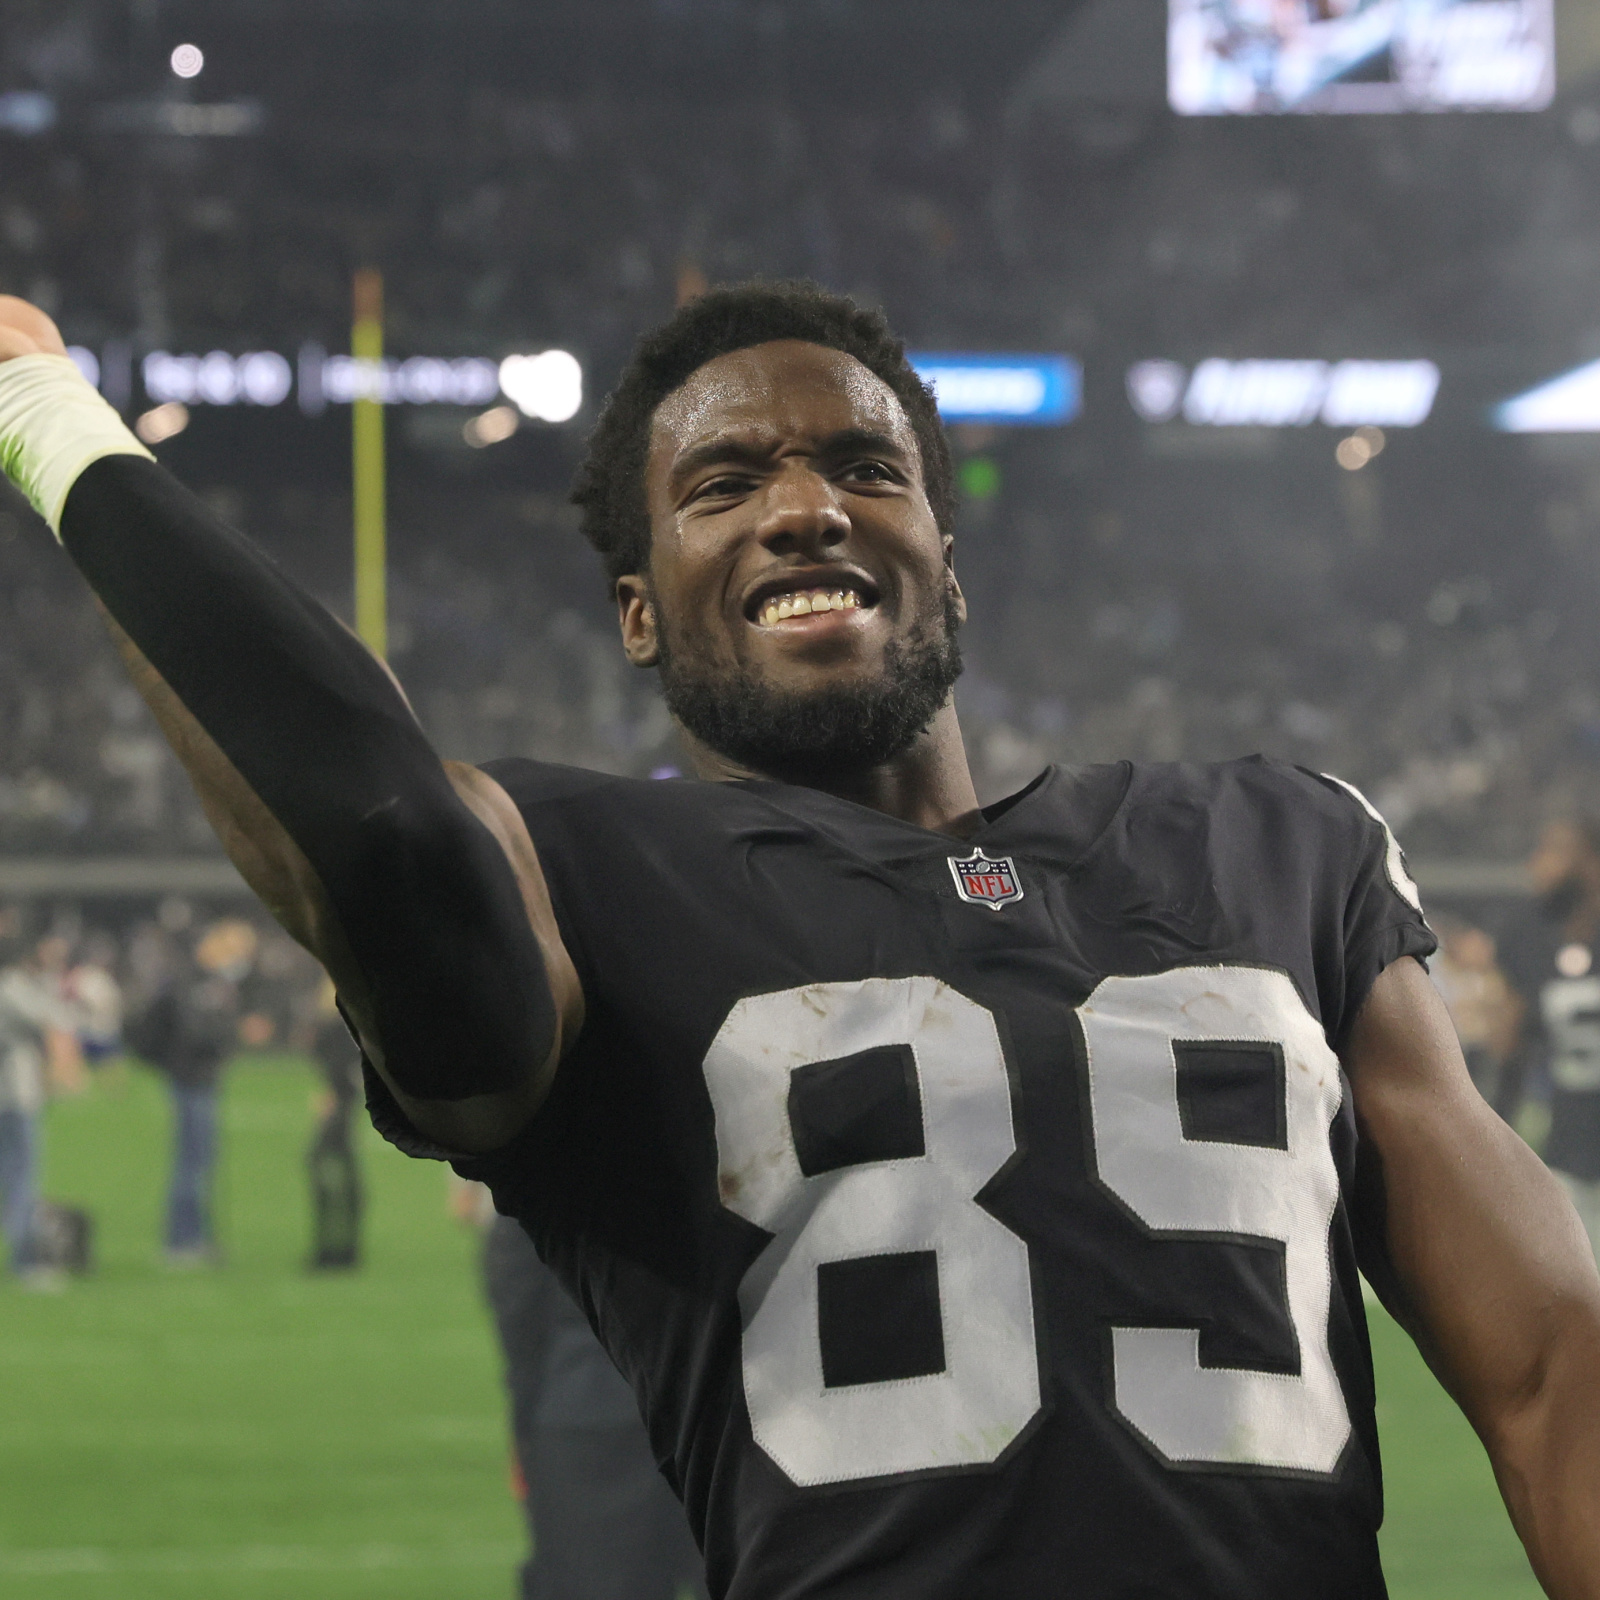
(336,1193)
(273,999)
(1482,1004)
(601,1519)
(1551,960)
(95,997)
(30,1009)
(65,1071)
(188,1031)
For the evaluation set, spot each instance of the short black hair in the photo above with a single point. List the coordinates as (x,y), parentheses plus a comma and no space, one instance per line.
(609,487)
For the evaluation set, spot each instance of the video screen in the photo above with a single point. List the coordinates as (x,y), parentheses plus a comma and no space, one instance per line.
(1243,57)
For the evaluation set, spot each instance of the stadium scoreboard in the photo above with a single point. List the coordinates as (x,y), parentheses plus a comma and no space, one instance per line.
(1239,57)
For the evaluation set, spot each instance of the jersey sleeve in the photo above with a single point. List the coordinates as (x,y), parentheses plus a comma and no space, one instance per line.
(395,1126)
(321,735)
(553,801)
(387,1117)
(1383,918)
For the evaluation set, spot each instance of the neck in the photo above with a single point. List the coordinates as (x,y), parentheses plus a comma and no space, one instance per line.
(928,785)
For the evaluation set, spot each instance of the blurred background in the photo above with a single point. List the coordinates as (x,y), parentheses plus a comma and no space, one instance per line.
(1264,329)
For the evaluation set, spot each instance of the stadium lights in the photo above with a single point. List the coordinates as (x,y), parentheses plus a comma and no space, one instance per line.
(259,378)
(1380,394)
(188,61)
(493,427)
(266,378)
(162,422)
(548,386)
(1355,451)
(27,112)
(1568,404)
(1285,394)
(418,381)
(1015,390)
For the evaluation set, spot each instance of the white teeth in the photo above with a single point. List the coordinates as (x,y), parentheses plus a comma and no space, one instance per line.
(808,602)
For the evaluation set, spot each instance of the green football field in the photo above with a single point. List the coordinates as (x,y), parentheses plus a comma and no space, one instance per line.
(256,1432)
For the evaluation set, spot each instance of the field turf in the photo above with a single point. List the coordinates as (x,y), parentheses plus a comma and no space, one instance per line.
(253,1431)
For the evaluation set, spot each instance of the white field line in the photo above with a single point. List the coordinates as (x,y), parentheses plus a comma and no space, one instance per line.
(255,1558)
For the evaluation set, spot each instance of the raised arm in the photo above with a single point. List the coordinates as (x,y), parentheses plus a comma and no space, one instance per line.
(413,881)
(1475,1249)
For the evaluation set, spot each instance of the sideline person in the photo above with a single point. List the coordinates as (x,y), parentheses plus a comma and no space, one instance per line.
(32,1010)
(602,1523)
(188,1032)
(338,1199)
(1551,957)
(1485,1009)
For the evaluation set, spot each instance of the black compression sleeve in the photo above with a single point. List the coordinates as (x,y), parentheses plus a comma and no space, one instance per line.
(423,892)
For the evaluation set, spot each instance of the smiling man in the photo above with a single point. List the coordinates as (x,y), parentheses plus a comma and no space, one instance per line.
(823,649)
(974,1197)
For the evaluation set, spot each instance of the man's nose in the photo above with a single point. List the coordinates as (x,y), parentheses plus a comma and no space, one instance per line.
(801,513)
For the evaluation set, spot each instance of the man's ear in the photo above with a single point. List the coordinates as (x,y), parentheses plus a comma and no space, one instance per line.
(950,577)
(636,613)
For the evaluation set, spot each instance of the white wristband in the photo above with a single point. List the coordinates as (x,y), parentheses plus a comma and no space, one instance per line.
(53,424)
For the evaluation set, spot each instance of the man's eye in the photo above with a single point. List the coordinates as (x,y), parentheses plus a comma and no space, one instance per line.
(720,488)
(871,471)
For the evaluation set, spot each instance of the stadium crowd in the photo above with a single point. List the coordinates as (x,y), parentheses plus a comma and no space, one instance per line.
(1466,723)
(1419,626)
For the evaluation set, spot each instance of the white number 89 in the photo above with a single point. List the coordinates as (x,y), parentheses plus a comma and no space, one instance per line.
(918,1206)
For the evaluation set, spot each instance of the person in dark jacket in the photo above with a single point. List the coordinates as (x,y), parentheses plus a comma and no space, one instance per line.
(188,1032)
(336,1192)
(603,1523)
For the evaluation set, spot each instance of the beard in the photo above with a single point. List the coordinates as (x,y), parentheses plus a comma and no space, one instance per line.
(822,733)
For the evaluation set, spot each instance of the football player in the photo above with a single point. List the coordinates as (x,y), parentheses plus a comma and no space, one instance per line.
(975,1197)
(1550,954)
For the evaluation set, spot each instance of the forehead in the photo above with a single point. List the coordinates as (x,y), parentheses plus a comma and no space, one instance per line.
(787,389)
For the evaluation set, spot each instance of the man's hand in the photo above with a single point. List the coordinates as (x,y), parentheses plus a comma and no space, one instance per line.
(26,331)
(1475,1249)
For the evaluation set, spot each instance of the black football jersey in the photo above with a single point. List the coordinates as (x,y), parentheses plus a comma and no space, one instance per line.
(970,1217)
(1559,978)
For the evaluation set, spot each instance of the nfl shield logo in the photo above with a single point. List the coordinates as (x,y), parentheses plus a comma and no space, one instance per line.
(986,882)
